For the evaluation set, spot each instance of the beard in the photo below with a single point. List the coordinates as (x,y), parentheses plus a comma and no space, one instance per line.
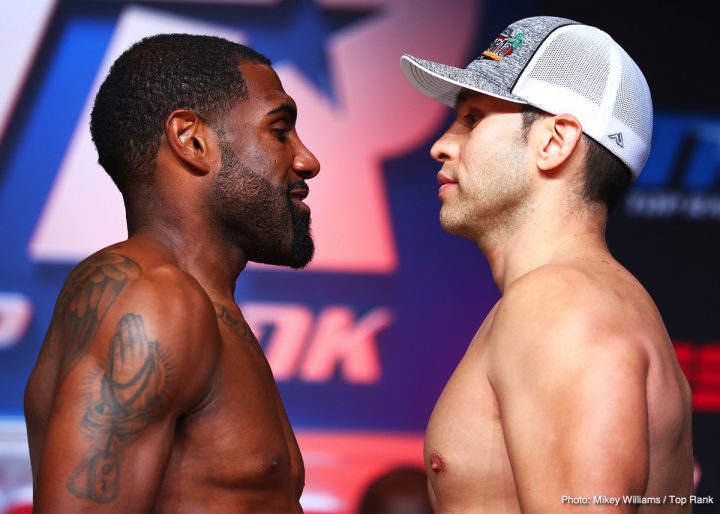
(261,217)
(492,204)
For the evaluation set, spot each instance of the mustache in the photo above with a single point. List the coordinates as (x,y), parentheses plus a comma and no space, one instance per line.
(300,184)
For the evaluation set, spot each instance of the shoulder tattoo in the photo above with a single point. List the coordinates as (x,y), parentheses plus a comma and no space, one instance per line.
(239,328)
(87,296)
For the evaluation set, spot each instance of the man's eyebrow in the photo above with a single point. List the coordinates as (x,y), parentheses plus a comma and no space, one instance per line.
(463,95)
(284,108)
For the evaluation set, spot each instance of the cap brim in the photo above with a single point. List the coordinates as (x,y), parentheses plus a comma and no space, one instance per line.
(443,83)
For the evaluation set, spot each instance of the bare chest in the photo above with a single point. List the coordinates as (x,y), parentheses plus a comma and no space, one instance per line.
(240,440)
(465,453)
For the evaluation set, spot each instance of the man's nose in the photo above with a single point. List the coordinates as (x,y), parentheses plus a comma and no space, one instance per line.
(444,148)
(305,163)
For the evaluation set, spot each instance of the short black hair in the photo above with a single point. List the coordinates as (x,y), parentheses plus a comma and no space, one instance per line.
(151,79)
(606,176)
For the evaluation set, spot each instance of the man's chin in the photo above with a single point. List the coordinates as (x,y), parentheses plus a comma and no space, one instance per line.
(302,257)
(284,263)
(297,257)
(449,224)
(303,246)
(455,227)
(299,264)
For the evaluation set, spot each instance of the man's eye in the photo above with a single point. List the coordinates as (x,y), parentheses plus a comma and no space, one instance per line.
(280,133)
(472,119)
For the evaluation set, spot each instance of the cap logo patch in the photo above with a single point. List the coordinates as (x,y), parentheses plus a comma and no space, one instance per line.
(617,137)
(504,45)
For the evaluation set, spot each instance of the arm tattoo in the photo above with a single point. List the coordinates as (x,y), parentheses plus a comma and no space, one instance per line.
(90,291)
(135,382)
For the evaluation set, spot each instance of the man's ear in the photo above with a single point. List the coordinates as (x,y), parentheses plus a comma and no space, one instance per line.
(188,137)
(560,137)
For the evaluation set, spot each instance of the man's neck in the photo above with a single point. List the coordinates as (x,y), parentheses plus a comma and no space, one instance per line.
(546,236)
(213,261)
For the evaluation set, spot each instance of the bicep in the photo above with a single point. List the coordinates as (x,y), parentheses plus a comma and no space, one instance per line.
(575,423)
(110,430)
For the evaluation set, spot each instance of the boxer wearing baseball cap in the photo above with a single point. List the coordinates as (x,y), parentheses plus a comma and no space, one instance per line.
(570,394)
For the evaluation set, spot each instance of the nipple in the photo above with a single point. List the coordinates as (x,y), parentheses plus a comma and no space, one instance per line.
(436,463)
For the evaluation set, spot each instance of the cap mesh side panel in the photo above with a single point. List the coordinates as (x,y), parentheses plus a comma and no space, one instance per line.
(555,68)
(631,100)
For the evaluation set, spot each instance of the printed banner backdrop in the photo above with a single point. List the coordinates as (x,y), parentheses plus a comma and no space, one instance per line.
(363,341)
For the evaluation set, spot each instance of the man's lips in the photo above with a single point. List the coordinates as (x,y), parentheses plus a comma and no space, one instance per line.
(297,193)
(444,179)
(300,194)
(299,190)
(445,182)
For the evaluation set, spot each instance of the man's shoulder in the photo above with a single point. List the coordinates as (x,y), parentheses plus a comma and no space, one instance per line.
(561,279)
(582,295)
(563,308)
(114,284)
(124,271)
(559,319)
